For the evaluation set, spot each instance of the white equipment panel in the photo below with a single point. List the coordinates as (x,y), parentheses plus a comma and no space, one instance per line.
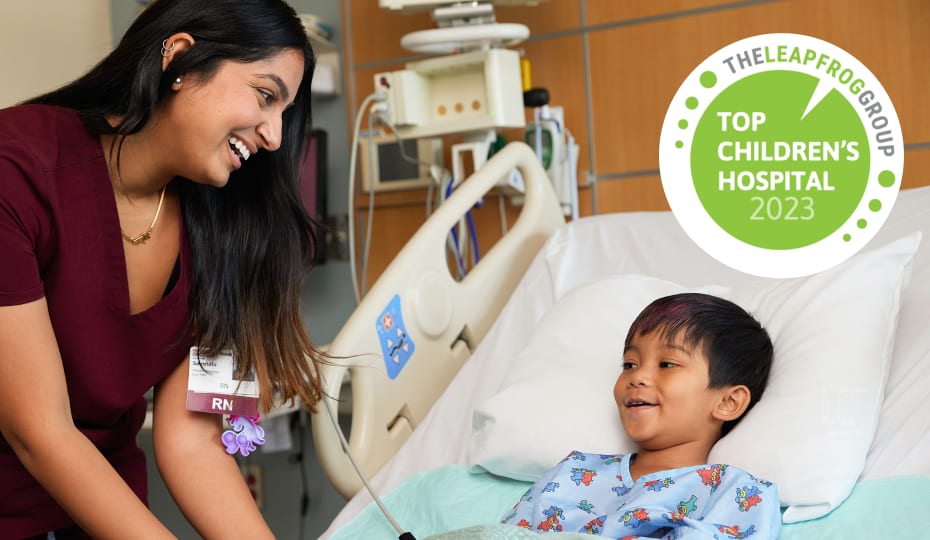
(473,91)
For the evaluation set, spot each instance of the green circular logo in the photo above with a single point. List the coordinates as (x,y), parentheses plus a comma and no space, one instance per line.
(781,155)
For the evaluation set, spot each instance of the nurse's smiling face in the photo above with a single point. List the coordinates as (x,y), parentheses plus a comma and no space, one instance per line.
(216,124)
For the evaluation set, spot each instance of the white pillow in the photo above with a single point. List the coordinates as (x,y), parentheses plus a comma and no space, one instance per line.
(833,333)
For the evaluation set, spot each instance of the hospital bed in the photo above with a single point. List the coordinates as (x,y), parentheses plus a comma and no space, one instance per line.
(436,434)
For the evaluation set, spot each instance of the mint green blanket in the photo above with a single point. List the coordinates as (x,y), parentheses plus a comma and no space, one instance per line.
(452,504)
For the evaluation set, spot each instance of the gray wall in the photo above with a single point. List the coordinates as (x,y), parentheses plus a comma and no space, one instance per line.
(328,301)
(47,43)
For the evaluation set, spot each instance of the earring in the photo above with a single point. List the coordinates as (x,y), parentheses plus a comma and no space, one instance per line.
(165,49)
(177,81)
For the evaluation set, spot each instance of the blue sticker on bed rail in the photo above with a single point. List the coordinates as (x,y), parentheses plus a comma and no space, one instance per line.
(395,341)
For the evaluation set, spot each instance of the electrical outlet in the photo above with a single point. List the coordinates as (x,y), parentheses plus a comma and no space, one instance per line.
(253,479)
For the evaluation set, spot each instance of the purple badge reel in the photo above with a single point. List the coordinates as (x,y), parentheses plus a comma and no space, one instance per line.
(244,436)
(396,344)
(213,388)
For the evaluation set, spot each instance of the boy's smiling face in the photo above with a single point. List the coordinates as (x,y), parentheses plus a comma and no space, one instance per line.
(663,393)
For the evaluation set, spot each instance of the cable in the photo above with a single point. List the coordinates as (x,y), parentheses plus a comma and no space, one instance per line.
(400,145)
(439,175)
(371,204)
(503,212)
(571,156)
(381,119)
(453,240)
(345,447)
(461,235)
(351,206)
(302,459)
(429,200)
(475,255)
(439,198)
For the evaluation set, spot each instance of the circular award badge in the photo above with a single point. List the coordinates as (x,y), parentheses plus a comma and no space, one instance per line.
(781,155)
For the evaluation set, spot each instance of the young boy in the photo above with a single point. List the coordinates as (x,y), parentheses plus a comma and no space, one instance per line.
(693,365)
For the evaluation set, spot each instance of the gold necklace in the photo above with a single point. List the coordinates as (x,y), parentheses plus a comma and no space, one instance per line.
(142,238)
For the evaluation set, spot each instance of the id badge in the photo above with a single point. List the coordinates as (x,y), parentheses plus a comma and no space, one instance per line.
(212,386)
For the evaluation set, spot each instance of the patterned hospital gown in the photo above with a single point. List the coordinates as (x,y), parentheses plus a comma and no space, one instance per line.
(593,493)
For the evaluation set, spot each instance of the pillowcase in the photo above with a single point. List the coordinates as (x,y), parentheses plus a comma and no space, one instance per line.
(833,333)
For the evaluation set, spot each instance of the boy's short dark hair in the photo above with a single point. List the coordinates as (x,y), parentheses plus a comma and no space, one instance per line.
(737,347)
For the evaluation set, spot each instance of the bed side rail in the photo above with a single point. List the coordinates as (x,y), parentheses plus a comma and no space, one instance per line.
(427,321)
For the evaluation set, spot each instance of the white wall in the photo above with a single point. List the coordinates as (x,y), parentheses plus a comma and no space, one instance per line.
(46,43)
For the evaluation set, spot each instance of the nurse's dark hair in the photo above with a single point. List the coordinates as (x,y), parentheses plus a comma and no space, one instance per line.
(738,349)
(252,242)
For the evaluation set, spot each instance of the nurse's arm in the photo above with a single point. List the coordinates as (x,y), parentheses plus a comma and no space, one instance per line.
(204,480)
(35,419)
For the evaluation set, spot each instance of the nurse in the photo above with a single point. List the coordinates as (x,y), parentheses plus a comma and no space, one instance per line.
(150,206)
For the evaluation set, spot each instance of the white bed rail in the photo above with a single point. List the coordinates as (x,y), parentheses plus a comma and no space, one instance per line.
(443,320)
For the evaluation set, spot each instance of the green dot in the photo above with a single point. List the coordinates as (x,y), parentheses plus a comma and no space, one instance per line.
(861,223)
(683,124)
(691,103)
(886,178)
(875,205)
(679,144)
(847,238)
(708,79)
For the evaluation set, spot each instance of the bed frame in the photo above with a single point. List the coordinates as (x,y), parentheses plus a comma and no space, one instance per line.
(442,318)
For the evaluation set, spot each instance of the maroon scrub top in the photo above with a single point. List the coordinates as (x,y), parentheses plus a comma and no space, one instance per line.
(60,238)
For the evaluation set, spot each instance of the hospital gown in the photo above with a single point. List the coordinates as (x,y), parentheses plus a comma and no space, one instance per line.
(594,493)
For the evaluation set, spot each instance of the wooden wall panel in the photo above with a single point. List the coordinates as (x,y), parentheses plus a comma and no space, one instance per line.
(891,38)
(376,32)
(611,11)
(551,16)
(640,193)
(586,199)
(636,71)
(916,169)
(391,229)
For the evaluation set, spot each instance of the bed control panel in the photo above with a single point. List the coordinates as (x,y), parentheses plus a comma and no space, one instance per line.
(396,343)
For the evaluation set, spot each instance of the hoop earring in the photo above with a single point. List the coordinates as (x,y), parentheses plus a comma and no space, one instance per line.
(165,49)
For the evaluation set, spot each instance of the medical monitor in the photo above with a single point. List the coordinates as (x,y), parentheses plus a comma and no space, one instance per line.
(387,169)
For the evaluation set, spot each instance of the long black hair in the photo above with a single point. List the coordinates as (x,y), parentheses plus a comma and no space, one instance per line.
(252,242)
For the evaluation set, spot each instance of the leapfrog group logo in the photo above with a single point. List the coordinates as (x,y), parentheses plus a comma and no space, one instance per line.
(781,155)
